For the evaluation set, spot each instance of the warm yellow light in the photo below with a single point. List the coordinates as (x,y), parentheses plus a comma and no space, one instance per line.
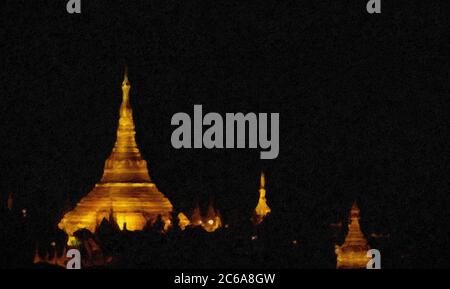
(210,222)
(126,191)
(183,221)
(352,254)
(262,209)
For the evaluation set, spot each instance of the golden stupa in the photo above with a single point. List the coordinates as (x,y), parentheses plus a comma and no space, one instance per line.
(262,209)
(125,191)
(353,253)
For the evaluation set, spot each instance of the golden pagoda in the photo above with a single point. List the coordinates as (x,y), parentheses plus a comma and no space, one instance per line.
(262,209)
(353,253)
(125,191)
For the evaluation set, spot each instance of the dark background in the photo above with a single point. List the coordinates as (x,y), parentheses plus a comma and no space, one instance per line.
(363,103)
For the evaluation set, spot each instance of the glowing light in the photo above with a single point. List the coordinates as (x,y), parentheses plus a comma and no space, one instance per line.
(73,241)
(183,221)
(210,223)
(126,192)
(214,221)
(262,209)
(352,254)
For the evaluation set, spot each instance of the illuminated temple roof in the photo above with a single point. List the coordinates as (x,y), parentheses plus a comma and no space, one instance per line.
(262,209)
(211,222)
(352,254)
(126,190)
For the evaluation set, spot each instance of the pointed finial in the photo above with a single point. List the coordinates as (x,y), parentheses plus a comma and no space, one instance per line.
(354,211)
(125,81)
(125,90)
(262,180)
(355,206)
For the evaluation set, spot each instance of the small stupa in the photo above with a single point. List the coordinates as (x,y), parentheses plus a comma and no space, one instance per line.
(262,209)
(353,253)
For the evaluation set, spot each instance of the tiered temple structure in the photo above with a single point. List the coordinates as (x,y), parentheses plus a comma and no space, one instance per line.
(211,222)
(262,209)
(126,191)
(352,254)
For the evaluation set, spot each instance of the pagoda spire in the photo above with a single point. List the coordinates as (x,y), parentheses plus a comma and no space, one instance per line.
(125,163)
(126,141)
(125,194)
(353,253)
(125,87)
(262,181)
(262,209)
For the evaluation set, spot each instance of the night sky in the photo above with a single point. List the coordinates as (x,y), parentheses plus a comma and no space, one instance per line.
(363,102)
